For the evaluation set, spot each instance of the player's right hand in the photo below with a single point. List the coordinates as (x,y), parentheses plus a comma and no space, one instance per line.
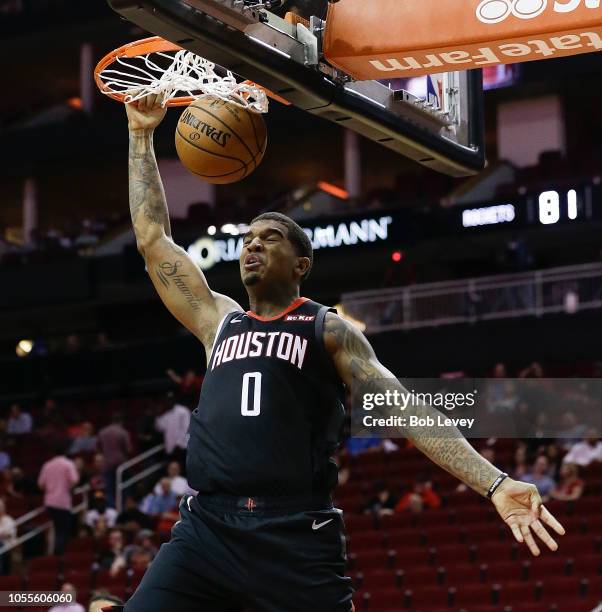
(145,114)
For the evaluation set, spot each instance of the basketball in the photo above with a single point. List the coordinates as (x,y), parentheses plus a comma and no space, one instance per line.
(219,141)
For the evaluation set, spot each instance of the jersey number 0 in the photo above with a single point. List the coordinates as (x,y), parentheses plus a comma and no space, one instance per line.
(254,379)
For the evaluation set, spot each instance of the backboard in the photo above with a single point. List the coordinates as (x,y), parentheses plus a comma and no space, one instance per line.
(442,129)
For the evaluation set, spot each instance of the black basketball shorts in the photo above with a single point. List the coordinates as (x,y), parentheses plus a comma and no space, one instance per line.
(229,556)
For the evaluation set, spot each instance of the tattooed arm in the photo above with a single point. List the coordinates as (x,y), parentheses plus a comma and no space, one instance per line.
(518,503)
(358,366)
(178,280)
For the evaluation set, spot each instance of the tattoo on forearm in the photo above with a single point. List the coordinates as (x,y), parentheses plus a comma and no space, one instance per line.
(449,449)
(167,272)
(146,190)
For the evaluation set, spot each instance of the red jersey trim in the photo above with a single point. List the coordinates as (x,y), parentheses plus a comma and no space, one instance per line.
(298,302)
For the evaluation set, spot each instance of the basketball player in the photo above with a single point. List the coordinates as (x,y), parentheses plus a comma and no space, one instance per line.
(262,532)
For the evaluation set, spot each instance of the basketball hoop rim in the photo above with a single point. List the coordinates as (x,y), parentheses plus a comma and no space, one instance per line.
(154,44)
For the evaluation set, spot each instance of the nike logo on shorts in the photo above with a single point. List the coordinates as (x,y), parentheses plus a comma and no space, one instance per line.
(315,526)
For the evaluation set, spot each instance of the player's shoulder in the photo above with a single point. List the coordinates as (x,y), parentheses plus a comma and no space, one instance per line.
(336,329)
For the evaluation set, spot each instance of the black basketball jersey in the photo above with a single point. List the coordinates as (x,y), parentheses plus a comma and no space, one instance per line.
(270,414)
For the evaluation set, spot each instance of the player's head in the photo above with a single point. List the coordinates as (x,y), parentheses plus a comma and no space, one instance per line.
(275,251)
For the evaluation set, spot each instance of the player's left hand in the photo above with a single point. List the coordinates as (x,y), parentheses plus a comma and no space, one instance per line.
(521,507)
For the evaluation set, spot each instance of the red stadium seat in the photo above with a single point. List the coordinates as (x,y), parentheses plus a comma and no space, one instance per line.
(45,564)
(11,583)
(375,580)
(404,537)
(80,578)
(116,585)
(585,565)
(516,592)
(595,587)
(358,522)
(505,571)
(383,598)
(429,596)
(560,587)
(42,581)
(366,541)
(84,544)
(493,551)
(460,573)
(468,594)
(544,567)
(78,560)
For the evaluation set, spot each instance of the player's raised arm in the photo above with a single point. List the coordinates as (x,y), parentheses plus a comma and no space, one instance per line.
(178,280)
(518,503)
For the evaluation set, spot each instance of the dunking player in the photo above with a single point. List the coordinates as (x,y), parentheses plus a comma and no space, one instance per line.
(262,533)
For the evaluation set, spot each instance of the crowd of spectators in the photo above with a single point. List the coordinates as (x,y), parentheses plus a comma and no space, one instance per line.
(127,539)
(74,237)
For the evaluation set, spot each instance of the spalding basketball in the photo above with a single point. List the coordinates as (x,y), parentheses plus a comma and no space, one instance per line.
(220,141)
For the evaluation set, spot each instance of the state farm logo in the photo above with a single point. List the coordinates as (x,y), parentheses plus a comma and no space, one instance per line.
(496,11)
(300,318)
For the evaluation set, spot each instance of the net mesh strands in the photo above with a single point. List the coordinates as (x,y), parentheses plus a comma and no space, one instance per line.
(180,76)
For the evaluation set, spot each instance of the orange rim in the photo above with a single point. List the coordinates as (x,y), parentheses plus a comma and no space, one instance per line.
(154,44)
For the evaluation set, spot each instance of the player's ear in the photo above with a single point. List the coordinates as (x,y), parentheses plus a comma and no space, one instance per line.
(303,264)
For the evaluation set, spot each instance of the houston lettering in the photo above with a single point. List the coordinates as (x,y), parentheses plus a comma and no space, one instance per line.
(277,345)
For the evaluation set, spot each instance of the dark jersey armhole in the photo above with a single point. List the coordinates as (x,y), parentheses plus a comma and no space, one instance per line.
(220,330)
(324,356)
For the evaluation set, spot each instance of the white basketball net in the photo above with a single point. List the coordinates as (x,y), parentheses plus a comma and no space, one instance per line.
(186,75)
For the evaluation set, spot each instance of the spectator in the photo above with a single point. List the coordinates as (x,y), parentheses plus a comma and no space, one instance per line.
(552,452)
(85,441)
(113,558)
(97,476)
(572,431)
(539,476)
(587,451)
(57,477)
(179,484)
(189,386)
(132,518)
(102,341)
(4,457)
(99,510)
(8,533)
(146,434)
(101,601)
(19,422)
(533,370)
(499,370)
(20,484)
(139,554)
(570,486)
(73,344)
(520,461)
(160,503)
(68,607)
(115,444)
(383,502)
(422,496)
(174,424)
(49,413)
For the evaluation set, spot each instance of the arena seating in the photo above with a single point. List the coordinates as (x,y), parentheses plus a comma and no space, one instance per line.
(460,557)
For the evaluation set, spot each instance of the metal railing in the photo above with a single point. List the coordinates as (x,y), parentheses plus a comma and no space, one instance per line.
(121,484)
(569,289)
(28,516)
